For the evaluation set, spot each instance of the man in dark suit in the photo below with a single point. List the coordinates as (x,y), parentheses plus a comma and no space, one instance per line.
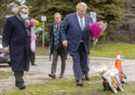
(77,38)
(16,36)
(56,47)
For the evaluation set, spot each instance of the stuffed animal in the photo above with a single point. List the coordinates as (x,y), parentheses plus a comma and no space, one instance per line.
(118,65)
(111,80)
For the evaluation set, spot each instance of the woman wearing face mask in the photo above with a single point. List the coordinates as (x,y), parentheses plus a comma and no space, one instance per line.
(16,37)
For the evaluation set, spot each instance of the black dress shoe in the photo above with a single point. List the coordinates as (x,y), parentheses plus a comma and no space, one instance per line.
(33,64)
(20,85)
(52,76)
(86,78)
(22,88)
(79,83)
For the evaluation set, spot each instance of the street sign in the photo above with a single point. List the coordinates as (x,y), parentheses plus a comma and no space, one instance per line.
(43,18)
(93,15)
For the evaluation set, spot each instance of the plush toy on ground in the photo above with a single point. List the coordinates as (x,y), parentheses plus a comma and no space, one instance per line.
(118,65)
(111,80)
(114,78)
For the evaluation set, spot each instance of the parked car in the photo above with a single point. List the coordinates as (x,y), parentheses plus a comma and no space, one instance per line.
(4,55)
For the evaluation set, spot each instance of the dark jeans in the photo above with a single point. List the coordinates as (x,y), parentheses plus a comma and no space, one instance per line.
(80,62)
(58,52)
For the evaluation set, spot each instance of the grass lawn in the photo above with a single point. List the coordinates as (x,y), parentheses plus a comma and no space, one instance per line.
(4,74)
(111,49)
(42,51)
(108,49)
(67,87)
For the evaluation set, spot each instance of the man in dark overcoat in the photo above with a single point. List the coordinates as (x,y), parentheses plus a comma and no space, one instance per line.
(16,37)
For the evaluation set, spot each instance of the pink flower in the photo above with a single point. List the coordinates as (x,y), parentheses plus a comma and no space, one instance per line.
(30,23)
(27,23)
(96,29)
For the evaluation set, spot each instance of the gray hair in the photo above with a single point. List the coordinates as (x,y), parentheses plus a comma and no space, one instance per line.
(81,4)
(22,7)
(57,14)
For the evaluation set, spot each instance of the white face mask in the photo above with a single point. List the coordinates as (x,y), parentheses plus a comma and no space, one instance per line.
(24,16)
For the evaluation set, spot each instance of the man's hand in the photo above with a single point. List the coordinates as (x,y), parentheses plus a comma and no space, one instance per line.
(65,43)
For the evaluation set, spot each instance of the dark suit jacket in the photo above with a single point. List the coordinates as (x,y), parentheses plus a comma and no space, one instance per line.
(16,36)
(74,33)
(51,36)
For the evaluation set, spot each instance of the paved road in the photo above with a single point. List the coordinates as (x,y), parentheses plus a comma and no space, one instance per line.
(39,73)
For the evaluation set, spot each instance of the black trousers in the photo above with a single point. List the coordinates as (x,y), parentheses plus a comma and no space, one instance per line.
(56,53)
(19,81)
(32,57)
(83,59)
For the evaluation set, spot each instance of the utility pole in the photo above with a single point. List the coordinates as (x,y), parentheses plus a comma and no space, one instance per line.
(43,19)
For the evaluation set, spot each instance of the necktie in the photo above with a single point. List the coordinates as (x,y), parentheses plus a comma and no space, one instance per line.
(81,23)
(58,27)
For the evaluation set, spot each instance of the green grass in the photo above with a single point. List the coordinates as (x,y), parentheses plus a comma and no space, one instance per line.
(4,74)
(42,51)
(107,49)
(111,49)
(67,87)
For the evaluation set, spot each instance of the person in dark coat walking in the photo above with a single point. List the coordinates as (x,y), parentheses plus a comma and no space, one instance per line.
(16,37)
(56,47)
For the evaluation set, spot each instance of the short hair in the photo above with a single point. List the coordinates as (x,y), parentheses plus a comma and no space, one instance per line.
(57,13)
(23,7)
(12,5)
(81,4)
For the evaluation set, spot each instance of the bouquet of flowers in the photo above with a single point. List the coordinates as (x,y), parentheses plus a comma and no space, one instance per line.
(29,23)
(96,30)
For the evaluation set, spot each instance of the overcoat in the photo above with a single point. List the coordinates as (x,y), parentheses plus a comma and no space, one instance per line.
(17,37)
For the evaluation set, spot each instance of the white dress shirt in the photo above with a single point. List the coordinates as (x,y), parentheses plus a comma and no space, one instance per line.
(81,22)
